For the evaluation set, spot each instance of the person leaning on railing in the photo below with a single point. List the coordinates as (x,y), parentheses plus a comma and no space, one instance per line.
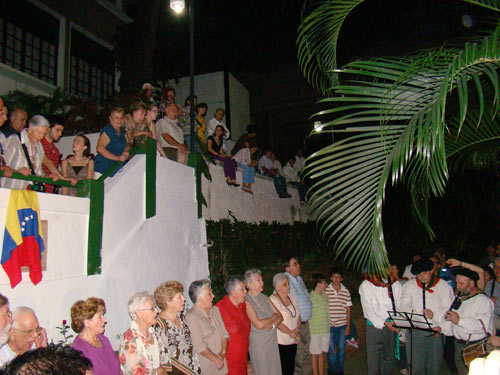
(24,153)
(112,143)
(80,165)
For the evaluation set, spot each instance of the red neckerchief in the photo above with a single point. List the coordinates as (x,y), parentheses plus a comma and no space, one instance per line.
(428,288)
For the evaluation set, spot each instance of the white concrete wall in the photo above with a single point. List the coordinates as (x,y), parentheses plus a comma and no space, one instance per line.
(263,205)
(137,254)
(239,98)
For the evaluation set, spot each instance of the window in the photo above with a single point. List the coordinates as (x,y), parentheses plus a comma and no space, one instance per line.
(92,68)
(29,43)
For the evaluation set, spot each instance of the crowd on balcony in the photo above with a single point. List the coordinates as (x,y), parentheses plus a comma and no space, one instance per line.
(28,145)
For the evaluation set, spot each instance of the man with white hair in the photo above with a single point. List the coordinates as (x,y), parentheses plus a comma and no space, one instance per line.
(25,334)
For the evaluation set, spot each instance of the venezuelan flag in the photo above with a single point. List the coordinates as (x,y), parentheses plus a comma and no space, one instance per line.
(22,239)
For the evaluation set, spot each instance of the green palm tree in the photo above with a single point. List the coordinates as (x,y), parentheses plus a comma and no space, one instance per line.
(408,120)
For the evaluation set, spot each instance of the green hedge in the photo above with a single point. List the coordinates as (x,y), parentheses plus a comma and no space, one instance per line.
(239,246)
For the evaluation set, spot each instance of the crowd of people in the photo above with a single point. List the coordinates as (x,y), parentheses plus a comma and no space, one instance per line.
(28,145)
(285,333)
(451,305)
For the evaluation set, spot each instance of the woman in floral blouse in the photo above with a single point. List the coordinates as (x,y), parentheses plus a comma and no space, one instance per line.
(174,337)
(139,351)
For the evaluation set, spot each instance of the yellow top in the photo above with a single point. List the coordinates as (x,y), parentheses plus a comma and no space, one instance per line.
(201,125)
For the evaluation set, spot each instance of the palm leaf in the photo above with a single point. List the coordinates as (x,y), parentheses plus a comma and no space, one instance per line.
(317,39)
(396,110)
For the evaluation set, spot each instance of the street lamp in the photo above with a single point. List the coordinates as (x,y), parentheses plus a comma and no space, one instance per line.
(178,6)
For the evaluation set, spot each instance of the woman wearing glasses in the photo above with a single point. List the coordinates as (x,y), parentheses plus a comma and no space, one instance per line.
(139,352)
(87,319)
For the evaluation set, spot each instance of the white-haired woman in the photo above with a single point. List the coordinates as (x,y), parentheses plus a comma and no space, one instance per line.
(265,317)
(288,330)
(25,154)
(207,328)
(139,351)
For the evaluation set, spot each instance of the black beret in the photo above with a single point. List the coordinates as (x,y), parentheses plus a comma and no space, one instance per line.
(422,265)
(467,273)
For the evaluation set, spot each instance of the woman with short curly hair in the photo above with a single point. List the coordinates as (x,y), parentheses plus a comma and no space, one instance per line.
(87,319)
(174,336)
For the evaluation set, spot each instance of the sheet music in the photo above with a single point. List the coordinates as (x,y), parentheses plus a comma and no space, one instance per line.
(403,319)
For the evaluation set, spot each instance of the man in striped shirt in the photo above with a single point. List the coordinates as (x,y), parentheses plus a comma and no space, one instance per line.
(339,311)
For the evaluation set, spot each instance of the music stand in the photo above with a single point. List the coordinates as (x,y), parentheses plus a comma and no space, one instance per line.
(410,321)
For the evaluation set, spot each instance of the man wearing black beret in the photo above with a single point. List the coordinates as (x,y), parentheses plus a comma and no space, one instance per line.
(426,294)
(471,316)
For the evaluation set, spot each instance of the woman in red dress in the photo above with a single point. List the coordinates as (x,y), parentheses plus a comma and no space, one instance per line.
(233,310)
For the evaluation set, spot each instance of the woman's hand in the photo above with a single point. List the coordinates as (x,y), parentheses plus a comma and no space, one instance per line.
(219,362)
(25,171)
(124,156)
(454,263)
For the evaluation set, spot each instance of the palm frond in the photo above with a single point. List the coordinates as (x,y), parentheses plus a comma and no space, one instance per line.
(396,110)
(489,4)
(317,39)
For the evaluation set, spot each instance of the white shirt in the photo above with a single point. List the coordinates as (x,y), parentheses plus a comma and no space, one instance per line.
(407,274)
(439,301)
(291,316)
(243,156)
(170,127)
(265,162)
(6,354)
(300,163)
(278,167)
(290,173)
(212,124)
(472,312)
(376,303)
(15,158)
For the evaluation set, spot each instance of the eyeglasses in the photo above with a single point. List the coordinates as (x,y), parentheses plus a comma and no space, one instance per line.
(150,309)
(30,332)
(8,314)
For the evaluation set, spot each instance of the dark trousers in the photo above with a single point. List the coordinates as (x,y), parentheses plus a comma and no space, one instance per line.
(380,347)
(287,357)
(279,182)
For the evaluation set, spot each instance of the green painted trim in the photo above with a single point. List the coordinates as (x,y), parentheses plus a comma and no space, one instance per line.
(193,162)
(46,180)
(150,178)
(96,214)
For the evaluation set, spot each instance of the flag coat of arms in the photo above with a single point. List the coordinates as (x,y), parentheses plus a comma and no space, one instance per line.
(22,239)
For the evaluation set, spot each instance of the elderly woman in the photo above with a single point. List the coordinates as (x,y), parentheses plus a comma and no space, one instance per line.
(139,350)
(234,314)
(288,330)
(112,143)
(87,319)
(25,154)
(265,317)
(174,337)
(207,329)
(135,125)
(5,319)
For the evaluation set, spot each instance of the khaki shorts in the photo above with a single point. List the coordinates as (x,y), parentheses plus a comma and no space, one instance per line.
(319,344)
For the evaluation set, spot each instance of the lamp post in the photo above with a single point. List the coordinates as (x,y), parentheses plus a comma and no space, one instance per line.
(178,6)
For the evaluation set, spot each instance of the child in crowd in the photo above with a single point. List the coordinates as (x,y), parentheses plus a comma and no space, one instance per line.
(339,308)
(319,326)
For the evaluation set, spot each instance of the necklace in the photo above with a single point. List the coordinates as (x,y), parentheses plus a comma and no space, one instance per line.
(294,314)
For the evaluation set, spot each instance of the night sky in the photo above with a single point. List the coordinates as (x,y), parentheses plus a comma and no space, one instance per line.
(255,41)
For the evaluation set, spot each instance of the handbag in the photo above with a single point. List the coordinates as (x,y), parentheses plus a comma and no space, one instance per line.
(35,186)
